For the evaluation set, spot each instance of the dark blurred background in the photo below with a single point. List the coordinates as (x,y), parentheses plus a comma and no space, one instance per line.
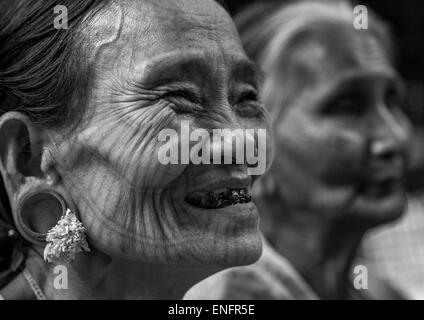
(406,19)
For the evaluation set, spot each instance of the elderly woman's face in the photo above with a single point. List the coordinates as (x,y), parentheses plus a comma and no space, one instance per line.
(342,143)
(158,63)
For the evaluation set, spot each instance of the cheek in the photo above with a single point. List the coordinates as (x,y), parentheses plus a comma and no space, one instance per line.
(341,154)
(121,218)
(322,151)
(127,144)
(112,171)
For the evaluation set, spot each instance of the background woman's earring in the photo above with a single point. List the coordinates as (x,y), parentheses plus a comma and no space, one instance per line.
(65,240)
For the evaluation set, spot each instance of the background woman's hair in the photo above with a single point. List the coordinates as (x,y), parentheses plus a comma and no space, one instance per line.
(42,74)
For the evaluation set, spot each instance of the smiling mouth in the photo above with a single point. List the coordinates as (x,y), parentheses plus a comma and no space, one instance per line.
(382,188)
(218,198)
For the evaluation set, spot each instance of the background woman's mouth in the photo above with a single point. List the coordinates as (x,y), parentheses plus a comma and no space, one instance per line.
(382,188)
(218,198)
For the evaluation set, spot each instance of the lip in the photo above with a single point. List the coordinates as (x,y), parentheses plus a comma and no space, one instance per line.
(383,181)
(383,173)
(218,187)
(391,174)
(240,212)
(234,181)
(382,185)
(242,218)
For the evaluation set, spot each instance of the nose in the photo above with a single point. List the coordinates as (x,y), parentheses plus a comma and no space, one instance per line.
(232,146)
(391,135)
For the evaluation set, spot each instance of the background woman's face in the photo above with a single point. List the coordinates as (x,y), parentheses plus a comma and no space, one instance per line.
(158,63)
(341,146)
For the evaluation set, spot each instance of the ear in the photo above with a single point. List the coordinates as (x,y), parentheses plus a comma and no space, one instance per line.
(29,187)
(20,150)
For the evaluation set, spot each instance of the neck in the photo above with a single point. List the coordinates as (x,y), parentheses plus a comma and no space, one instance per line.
(97,276)
(322,250)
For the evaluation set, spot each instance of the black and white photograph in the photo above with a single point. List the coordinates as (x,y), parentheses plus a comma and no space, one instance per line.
(211,153)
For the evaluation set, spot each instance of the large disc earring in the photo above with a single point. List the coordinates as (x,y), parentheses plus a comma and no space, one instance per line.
(37,213)
(43,216)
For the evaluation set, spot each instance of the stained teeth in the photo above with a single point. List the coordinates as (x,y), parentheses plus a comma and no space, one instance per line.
(235,196)
(212,200)
(219,199)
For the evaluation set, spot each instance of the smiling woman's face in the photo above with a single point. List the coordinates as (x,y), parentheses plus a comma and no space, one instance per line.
(342,143)
(158,63)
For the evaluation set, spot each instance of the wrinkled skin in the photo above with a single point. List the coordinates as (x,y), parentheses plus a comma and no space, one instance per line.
(132,206)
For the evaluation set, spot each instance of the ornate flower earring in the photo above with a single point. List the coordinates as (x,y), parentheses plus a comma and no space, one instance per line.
(65,239)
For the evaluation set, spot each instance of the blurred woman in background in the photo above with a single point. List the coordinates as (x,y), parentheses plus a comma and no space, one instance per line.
(341,152)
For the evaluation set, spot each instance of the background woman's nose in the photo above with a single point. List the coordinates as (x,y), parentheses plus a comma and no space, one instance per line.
(386,150)
(391,135)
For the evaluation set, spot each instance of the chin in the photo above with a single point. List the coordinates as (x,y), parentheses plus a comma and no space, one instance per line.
(225,237)
(377,211)
(179,234)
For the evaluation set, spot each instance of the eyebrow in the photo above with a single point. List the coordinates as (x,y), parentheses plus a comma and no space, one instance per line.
(248,71)
(194,67)
(360,79)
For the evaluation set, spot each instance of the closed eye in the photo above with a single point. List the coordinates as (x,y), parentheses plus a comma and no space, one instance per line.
(248,96)
(183,100)
(346,104)
(394,99)
(185,94)
(248,104)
